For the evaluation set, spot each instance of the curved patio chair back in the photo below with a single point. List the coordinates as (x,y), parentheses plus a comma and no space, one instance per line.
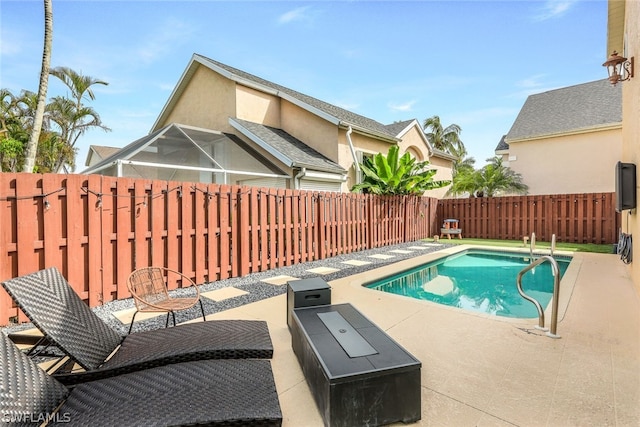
(148,287)
(64,319)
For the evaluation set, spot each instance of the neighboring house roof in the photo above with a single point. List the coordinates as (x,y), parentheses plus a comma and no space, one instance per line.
(400,128)
(286,148)
(100,152)
(502,145)
(329,112)
(580,108)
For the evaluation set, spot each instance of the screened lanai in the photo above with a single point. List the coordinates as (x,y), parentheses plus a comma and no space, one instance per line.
(185,153)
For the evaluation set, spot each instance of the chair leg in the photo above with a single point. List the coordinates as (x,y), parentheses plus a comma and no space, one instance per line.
(166,324)
(202,309)
(132,320)
(173,313)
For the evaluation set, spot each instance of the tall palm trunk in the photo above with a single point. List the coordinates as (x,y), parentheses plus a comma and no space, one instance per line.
(32,146)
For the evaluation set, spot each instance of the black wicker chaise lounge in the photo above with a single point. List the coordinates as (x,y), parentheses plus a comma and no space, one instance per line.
(68,323)
(198,393)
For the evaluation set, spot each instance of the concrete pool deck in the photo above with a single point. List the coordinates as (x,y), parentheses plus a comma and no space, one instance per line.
(479,370)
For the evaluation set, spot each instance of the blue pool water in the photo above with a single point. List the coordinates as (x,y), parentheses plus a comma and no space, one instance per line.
(477,280)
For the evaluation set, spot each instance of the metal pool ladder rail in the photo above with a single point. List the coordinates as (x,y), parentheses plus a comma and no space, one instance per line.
(555,271)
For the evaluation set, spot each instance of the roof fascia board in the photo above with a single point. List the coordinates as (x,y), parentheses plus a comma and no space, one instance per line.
(325,176)
(255,138)
(559,134)
(362,131)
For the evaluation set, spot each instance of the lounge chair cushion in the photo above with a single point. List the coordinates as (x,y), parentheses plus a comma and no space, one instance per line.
(206,392)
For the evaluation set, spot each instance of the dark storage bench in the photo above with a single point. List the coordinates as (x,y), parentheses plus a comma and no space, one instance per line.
(357,374)
(306,293)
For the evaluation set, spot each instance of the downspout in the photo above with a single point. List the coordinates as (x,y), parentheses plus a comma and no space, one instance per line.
(299,175)
(353,154)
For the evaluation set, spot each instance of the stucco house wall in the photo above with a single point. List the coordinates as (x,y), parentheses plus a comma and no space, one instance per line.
(444,173)
(578,163)
(206,102)
(624,36)
(257,106)
(317,133)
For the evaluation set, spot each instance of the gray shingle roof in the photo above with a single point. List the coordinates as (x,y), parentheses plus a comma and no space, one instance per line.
(300,154)
(397,127)
(345,116)
(502,145)
(580,107)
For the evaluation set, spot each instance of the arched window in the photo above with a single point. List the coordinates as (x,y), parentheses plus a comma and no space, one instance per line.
(417,154)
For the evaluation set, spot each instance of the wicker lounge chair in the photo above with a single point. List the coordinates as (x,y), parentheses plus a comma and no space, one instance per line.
(148,287)
(67,322)
(205,392)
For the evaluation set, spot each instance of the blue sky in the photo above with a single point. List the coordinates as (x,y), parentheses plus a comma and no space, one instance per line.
(473,63)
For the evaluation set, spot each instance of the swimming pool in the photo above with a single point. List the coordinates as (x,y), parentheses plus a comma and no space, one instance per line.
(477,280)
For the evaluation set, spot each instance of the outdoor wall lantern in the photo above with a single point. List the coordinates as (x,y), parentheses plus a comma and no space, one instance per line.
(619,68)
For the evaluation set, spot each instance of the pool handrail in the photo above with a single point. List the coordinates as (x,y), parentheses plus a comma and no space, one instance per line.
(532,245)
(555,271)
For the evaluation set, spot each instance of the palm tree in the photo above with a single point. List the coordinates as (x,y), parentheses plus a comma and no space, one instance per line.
(497,178)
(72,117)
(444,139)
(493,179)
(391,174)
(32,145)
(72,122)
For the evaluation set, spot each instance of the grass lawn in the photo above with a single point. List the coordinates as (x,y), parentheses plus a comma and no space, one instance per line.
(574,247)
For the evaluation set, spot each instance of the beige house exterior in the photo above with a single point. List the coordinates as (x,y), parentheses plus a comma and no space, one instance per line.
(305,143)
(567,140)
(623,36)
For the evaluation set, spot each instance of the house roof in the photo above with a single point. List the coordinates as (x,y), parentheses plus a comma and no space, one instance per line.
(288,149)
(502,145)
(397,128)
(583,107)
(332,113)
(101,151)
(400,128)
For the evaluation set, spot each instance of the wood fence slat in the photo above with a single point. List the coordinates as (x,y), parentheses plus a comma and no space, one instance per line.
(201,205)
(225,236)
(213,225)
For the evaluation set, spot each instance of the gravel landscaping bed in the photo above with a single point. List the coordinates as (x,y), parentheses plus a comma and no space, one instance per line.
(255,288)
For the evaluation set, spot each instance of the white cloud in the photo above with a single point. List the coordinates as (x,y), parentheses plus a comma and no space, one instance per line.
(531,85)
(554,9)
(297,14)
(407,106)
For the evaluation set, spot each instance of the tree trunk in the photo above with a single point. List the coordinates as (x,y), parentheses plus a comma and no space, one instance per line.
(32,146)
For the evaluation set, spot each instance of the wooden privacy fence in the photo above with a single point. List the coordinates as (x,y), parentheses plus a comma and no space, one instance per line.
(97,229)
(575,218)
